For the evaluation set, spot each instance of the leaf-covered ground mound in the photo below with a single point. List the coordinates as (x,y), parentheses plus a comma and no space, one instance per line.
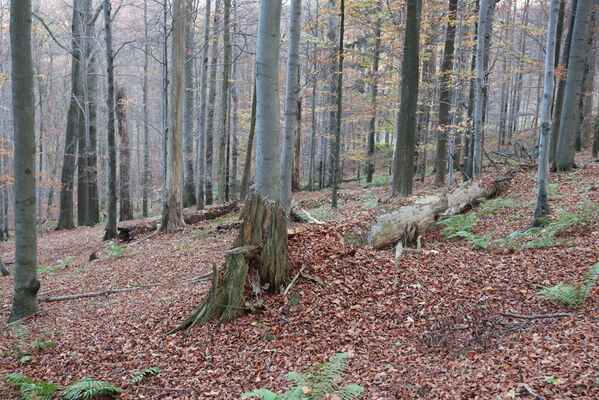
(429,328)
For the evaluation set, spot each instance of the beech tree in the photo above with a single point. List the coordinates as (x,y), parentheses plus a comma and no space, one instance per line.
(260,251)
(172,210)
(26,285)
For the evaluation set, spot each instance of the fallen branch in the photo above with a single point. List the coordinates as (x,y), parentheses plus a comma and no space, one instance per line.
(311,218)
(527,390)
(199,278)
(536,316)
(293,280)
(91,294)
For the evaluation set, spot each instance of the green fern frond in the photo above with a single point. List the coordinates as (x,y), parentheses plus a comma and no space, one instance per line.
(350,392)
(572,294)
(30,389)
(145,373)
(88,389)
(261,394)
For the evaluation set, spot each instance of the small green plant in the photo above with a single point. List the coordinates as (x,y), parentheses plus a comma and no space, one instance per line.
(145,374)
(183,246)
(458,226)
(48,269)
(490,207)
(88,389)
(321,381)
(23,348)
(572,294)
(30,389)
(481,241)
(115,251)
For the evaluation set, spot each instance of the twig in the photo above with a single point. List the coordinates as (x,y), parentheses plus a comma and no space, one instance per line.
(293,280)
(536,316)
(199,277)
(311,218)
(527,390)
(91,294)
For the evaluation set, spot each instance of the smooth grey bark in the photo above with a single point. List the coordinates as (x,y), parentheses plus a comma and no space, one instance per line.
(542,209)
(587,87)
(328,165)
(456,138)
(247,168)
(125,210)
(268,125)
(172,210)
(370,141)
(201,138)
(569,118)
(405,141)
(26,284)
(337,143)
(110,231)
(211,106)
(146,116)
(445,96)
(222,144)
(189,197)
(91,85)
(483,43)
(291,104)
(311,169)
(65,217)
(83,129)
(561,86)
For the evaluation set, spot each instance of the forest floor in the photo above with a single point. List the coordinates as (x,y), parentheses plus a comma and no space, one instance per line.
(429,328)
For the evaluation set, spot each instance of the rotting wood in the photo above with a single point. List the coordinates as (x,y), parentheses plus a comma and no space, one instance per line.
(405,224)
(130,231)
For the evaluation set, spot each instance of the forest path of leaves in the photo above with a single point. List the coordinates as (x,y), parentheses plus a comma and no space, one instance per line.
(385,317)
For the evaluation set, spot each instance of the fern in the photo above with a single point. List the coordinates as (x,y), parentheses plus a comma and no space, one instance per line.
(458,225)
(144,374)
(30,389)
(572,294)
(88,389)
(318,382)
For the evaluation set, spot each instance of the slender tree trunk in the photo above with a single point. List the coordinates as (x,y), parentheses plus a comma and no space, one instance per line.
(210,111)
(165,97)
(311,167)
(332,98)
(370,142)
(569,117)
(587,87)
(126,211)
(291,104)
(172,210)
(542,208)
(296,176)
(222,147)
(337,148)
(146,116)
(247,168)
(65,218)
(26,284)
(445,96)
(111,217)
(92,145)
(404,153)
(189,197)
(201,139)
(485,21)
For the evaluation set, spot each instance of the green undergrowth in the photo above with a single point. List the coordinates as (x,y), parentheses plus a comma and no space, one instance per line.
(570,293)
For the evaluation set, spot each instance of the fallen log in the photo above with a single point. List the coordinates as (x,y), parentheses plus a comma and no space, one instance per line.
(132,230)
(405,224)
(91,294)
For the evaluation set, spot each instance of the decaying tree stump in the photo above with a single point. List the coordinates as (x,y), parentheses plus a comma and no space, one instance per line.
(260,253)
(3,269)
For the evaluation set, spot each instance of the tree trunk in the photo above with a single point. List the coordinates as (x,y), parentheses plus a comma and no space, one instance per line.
(172,210)
(559,96)
(445,96)
(485,21)
(65,218)
(146,116)
(92,145)
(404,153)
(110,231)
(370,142)
(211,106)
(297,150)
(291,104)
(201,139)
(542,209)
(222,147)
(576,60)
(337,144)
(126,211)
(189,197)
(26,285)
(247,168)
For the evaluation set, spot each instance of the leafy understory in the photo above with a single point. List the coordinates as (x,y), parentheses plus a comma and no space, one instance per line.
(319,382)
(30,389)
(88,389)
(572,294)
(146,373)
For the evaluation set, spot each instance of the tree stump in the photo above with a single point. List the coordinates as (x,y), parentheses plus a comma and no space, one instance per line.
(260,249)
